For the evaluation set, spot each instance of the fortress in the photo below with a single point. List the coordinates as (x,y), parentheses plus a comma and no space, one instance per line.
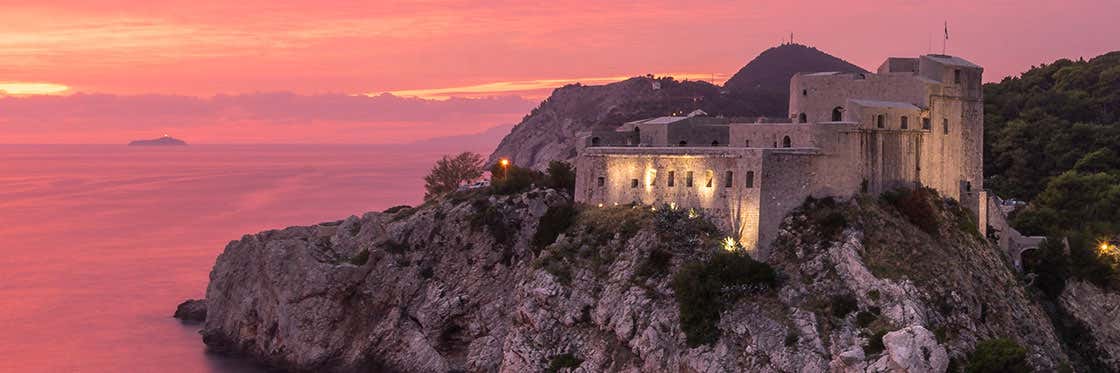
(916,121)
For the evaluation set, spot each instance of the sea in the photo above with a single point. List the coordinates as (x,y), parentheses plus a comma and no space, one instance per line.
(99,243)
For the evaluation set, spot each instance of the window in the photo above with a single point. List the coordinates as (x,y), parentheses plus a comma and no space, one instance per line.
(715,143)
(838,114)
(968,186)
(957,76)
(602,180)
(633,183)
(728,179)
(748,144)
(925,124)
(881,121)
(801,118)
(804,92)
(594,141)
(683,143)
(945,126)
(709,175)
(750,179)
(904,122)
(672,178)
(688,179)
(786,142)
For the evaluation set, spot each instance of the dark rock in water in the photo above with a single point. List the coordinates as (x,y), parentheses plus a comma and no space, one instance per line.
(162,141)
(191,310)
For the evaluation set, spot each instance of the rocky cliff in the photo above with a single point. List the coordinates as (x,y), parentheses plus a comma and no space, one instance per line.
(480,282)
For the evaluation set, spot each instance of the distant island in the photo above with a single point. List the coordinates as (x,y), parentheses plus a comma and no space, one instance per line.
(162,141)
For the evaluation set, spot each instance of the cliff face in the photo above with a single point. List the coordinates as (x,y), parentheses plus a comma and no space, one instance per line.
(459,285)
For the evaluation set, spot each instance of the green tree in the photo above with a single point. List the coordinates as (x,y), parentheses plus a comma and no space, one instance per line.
(561,175)
(451,172)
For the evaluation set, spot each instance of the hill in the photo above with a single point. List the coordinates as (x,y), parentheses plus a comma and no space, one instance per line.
(768,75)
(162,141)
(549,131)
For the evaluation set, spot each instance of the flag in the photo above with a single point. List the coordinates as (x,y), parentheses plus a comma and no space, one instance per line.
(946,30)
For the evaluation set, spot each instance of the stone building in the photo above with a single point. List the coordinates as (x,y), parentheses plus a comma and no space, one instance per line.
(916,121)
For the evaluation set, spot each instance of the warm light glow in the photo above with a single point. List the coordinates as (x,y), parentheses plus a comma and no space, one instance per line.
(729,244)
(533,88)
(21,89)
(504,162)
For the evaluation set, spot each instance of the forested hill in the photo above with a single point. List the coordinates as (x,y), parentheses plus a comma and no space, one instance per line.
(1041,124)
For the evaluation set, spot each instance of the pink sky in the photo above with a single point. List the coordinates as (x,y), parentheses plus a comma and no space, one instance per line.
(132,50)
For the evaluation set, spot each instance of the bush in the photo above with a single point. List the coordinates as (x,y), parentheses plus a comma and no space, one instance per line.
(512,179)
(998,355)
(563,361)
(397,208)
(554,221)
(560,175)
(361,259)
(704,289)
(915,205)
(864,318)
(655,265)
(875,343)
(842,305)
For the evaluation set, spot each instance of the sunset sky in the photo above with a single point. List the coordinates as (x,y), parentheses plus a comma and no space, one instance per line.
(315,71)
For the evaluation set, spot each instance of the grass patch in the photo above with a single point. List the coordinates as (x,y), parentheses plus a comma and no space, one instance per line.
(704,289)
(998,355)
(914,204)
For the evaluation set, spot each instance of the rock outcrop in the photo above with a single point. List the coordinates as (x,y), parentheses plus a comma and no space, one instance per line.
(193,310)
(471,283)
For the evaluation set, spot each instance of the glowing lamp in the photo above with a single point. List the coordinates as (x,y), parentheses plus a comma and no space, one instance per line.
(504,162)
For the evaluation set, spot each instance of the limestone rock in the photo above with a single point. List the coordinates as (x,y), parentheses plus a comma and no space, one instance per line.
(913,349)
(191,310)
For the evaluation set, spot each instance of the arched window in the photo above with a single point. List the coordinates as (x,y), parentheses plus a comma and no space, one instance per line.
(881,121)
(786,142)
(904,122)
(683,143)
(750,179)
(838,114)
(728,179)
(715,143)
(801,118)
(594,141)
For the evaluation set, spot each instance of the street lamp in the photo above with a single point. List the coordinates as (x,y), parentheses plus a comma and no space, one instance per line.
(505,167)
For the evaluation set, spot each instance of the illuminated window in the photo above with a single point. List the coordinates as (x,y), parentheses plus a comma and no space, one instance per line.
(710,176)
(602,181)
(904,122)
(750,179)
(672,178)
(728,179)
(688,179)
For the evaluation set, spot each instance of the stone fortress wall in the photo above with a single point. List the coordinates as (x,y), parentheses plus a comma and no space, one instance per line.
(917,121)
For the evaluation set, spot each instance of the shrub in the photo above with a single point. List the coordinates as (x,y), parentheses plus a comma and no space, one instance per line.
(560,175)
(361,258)
(563,361)
(395,209)
(915,205)
(864,318)
(704,289)
(489,216)
(512,179)
(875,343)
(842,305)
(655,265)
(554,221)
(791,339)
(998,355)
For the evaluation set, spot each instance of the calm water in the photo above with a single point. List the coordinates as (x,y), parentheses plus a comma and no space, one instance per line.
(99,243)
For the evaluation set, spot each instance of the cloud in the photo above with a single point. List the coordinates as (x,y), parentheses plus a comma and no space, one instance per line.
(280,117)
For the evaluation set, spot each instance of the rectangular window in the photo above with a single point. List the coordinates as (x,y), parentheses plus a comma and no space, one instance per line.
(688,179)
(750,179)
(601,181)
(709,175)
(904,122)
(633,183)
(925,124)
(672,177)
(728,180)
(945,126)
(957,76)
